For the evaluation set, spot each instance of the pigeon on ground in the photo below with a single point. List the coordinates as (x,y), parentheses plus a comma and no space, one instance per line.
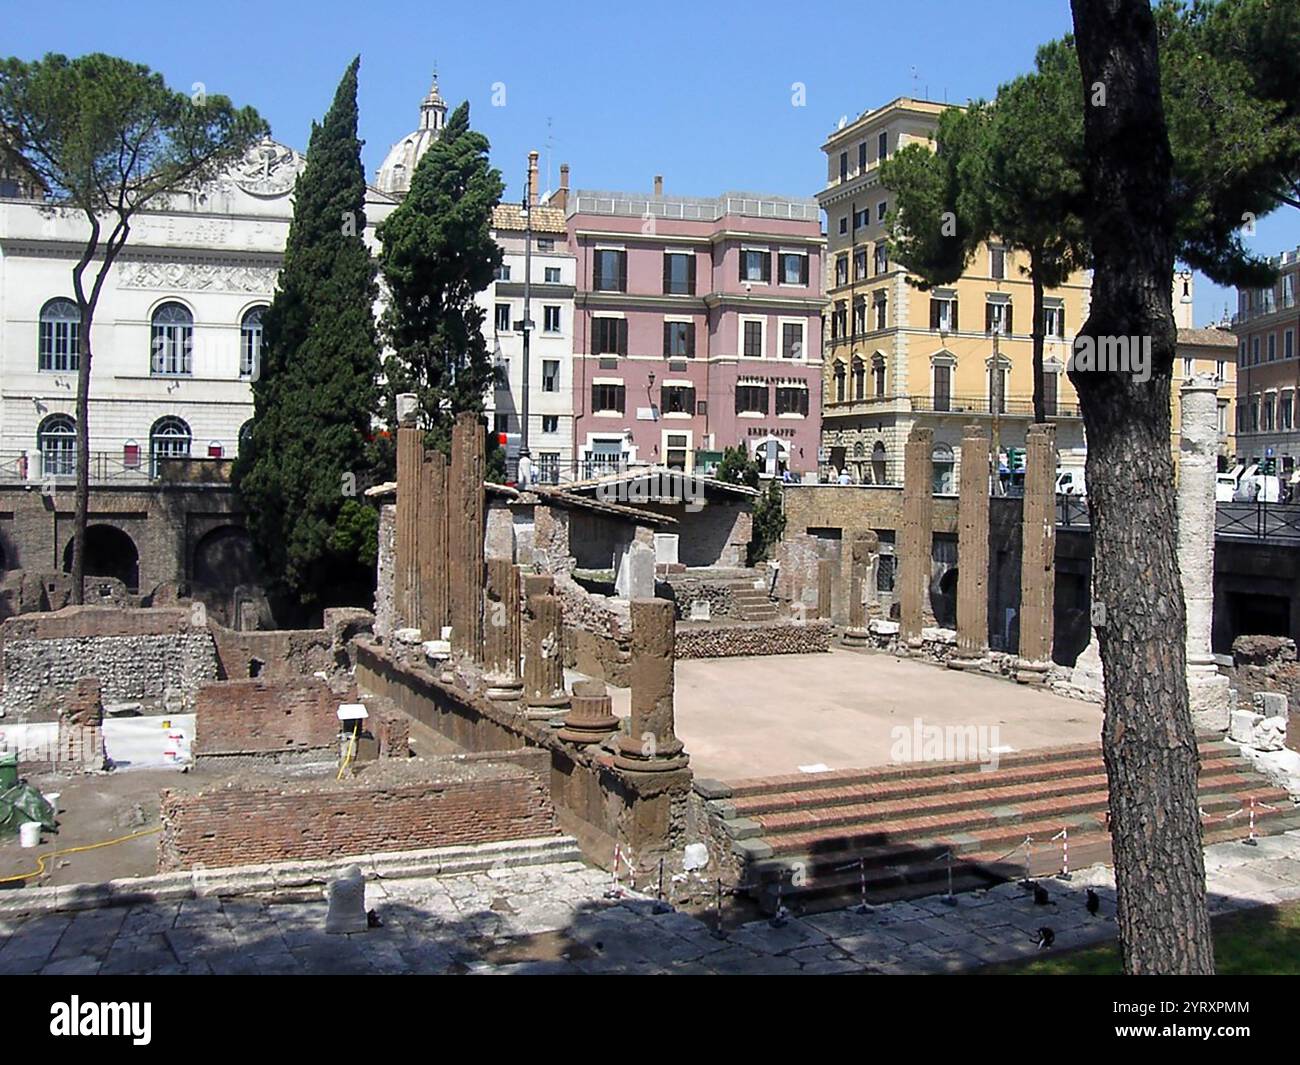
(1094,903)
(1046,937)
(373,920)
(1040,895)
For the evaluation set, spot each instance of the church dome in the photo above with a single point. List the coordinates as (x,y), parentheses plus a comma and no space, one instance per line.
(394,175)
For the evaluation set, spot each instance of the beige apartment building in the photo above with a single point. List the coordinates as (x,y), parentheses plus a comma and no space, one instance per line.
(1267,328)
(896,356)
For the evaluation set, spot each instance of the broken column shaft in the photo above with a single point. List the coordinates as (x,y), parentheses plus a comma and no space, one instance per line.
(652,744)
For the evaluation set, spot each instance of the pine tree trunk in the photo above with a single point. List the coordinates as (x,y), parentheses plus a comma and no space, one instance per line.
(1148,739)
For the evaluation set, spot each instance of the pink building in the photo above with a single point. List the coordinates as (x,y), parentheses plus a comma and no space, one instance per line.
(697,326)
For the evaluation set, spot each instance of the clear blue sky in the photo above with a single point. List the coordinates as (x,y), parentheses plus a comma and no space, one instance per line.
(700,92)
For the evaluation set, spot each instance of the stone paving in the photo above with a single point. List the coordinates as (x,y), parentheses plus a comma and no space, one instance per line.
(555,919)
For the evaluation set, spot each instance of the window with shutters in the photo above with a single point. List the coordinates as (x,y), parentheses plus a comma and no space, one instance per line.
(679,339)
(997,318)
(1288,346)
(943,313)
(550,318)
(844,166)
(609,270)
(1051,384)
(841,270)
(839,320)
(792,399)
(882,310)
(997,263)
(550,423)
(882,258)
(859,264)
(882,208)
(608,398)
(859,378)
(839,382)
(755,265)
(862,157)
(878,375)
(1272,347)
(679,274)
(751,399)
(502,323)
(794,268)
(677,399)
(859,315)
(753,340)
(609,336)
(942,386)
(1054,321)
(882,146)
(550,375)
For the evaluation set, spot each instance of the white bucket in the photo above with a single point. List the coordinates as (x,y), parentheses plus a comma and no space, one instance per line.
(29,833)
(53,799)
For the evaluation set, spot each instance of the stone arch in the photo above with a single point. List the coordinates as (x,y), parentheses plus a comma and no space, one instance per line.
(110,552)
(223,561)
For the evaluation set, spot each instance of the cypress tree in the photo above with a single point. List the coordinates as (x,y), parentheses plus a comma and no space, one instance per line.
(438,253)
(316,390)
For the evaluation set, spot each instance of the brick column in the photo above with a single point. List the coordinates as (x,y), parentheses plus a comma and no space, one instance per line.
(917,533)
(592,717)
(1198,430)
(465,536)
(1038,555)
(544,690)
(435,601)
(973,546)
(652,744)
(501,630)
(406,577)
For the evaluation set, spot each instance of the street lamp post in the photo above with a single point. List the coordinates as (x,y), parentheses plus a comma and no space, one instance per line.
(528,319)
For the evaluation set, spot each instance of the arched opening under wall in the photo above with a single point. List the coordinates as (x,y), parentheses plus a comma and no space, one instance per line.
(109,553)
(224,562)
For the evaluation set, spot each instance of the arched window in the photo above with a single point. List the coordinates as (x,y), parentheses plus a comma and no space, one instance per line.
(246,436)
(250,343)
(56,440)
(944,465)
(859,378)
(168,439)
(60,336)
(879,470)
(173,337)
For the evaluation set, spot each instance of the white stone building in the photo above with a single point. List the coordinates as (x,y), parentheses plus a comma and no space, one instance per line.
(552,278)
(177,330)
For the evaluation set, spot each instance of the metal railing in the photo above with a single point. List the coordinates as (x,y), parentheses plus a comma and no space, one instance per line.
(111,467)
(1012,406)
(1260,522)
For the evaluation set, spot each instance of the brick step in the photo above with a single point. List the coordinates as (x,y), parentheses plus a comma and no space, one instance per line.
(973,822)
(919,873)
(836,778)
(956,784)
(1225,772)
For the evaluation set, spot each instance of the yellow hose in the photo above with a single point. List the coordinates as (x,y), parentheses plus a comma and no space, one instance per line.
(347,758)
(42,859)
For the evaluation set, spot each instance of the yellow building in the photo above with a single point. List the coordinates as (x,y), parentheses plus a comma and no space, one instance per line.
(897,356)
(1208,351)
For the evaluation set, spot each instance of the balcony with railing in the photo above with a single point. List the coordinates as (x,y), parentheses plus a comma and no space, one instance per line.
(1010,407)
(59,468)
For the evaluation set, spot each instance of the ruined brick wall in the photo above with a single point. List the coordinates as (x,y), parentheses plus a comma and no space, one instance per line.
(727,641)
(684,590)
(834,506)
(392,806)
(157,657)
(265,717)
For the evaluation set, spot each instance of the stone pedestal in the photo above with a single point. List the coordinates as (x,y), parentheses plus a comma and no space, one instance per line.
(652,745)
(347,902)
(591,717)
(916,536)
(1207,691)
(544,691)
(501,631)
(973,549)
(1038,555)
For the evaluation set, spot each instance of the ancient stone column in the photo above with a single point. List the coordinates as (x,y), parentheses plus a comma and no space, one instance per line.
(652,744)
(1198,454)
(915,538)
(973,547)
(465,536)
(864,549)
(1038,555)
(544,691)
(501,624)
(410,460)
(591,718)
(435,598)
(825,587)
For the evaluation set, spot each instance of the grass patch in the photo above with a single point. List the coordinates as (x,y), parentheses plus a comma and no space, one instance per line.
(1264,941)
